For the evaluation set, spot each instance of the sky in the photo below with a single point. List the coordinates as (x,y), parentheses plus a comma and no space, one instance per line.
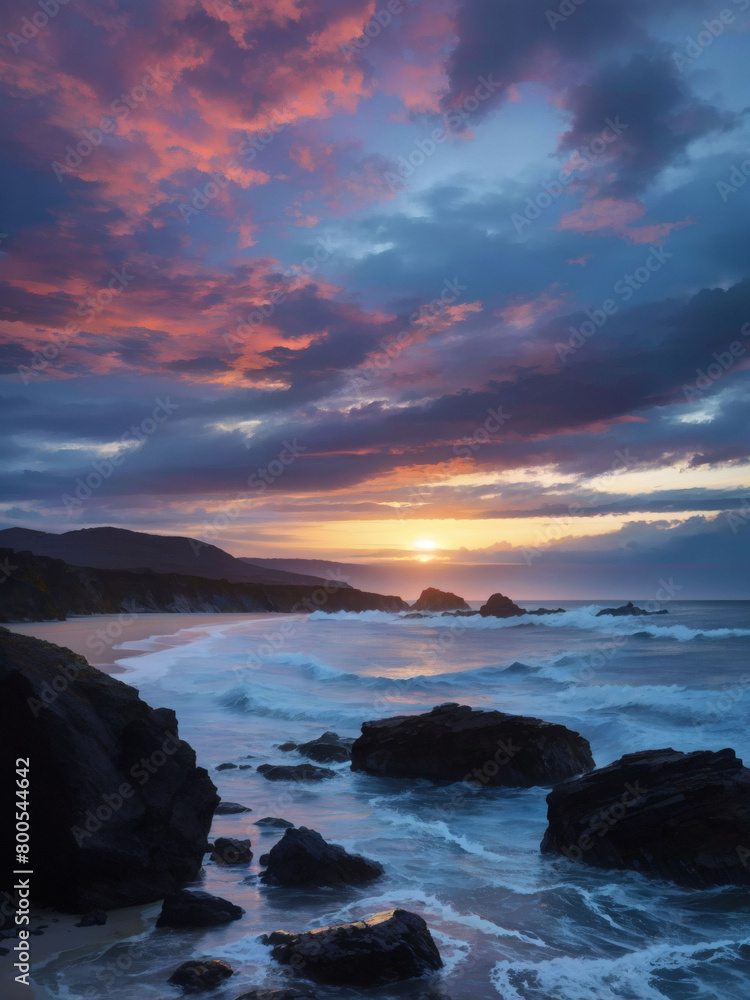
(447,283)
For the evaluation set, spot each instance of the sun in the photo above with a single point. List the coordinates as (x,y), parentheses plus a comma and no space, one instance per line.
(425,544)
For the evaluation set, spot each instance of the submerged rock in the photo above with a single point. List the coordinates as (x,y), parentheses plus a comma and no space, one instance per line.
(458,743)
(274,822)
(286,747)
(385,948)
(439,600)
(500,606)
(229,851)
(121,812)
(299,772)
(547,611)
(204,975)
(194,908)
(629,609)
(226,766)
(303,857)
(230,808)
(327,749)
(682,816)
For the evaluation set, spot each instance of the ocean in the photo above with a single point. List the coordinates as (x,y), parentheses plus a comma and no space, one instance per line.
(510,923)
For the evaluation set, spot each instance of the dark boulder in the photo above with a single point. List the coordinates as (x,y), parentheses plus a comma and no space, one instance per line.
(194,908)
(500,606)
(682,816)
(458,743)
(628,609)
(459,614)
(329,748)
(120,811)
(302,857)
(230,808)
(385,948)
(94,918)
(439,600)
(205,975)
(274,822)
(547,611)
(229,851)
(286,747)
(299,772)
(414,614)
(226,766)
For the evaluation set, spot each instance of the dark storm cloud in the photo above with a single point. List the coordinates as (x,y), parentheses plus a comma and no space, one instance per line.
(658,112)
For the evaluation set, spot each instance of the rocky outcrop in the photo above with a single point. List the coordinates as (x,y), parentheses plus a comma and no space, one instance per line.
(629,609)
(302,857)
(682,816)
(204,975)
(194,908)
(385,948)
(500,606)
(230,808)
(230,851)
(299,772)
(547,611)
(330,748)
(121,812)
(439,600)
(37,588)
(458,743)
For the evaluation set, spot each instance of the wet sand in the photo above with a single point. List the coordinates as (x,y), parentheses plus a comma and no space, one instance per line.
(97,636)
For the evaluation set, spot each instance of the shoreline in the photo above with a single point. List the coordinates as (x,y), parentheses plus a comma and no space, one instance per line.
(97,637)
(60,934)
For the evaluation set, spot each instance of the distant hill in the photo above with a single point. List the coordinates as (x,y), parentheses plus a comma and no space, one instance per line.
(37,588)
(357,574)
(118,548)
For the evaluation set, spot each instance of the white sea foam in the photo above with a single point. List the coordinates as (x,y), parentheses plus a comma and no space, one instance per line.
(634,976)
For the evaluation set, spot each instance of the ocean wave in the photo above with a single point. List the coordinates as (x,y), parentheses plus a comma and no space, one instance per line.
(634,975)
(578,618)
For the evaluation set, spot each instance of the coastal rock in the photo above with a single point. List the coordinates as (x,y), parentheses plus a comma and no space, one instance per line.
(194,908)
(500,606)
(414,614)
(230,808)
(682,816)
(274,822)
(329,748)
(385,948)
(205,975)
(229,851)
(286,747)
(629,609)
(121,813)
(459,614)
(458,743)
(303,857)
(225,767)
(439,600)
(547,611)
(299,772)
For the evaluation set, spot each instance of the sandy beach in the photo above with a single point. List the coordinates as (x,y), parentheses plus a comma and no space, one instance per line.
(97,636)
